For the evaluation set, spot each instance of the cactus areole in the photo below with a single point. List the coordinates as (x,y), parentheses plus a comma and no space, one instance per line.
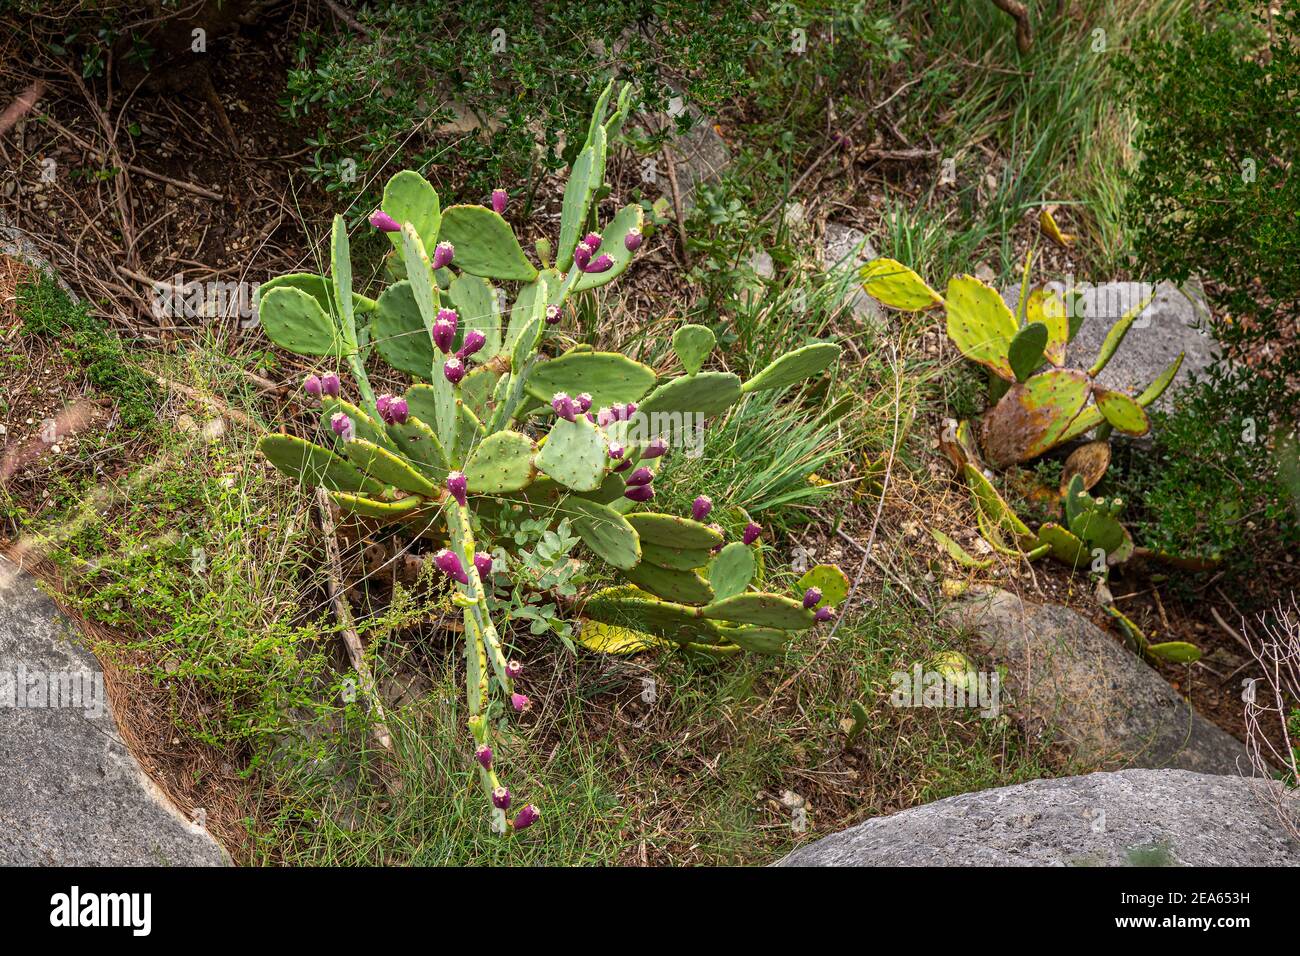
(496,419)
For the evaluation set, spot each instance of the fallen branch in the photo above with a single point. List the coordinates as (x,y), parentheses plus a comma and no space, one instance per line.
(1017,11)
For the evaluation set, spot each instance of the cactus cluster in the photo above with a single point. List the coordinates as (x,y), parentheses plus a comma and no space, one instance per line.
(494,425)
(1037,403)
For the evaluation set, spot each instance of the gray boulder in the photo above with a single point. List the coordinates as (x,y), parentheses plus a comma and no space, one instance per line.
(71,793)
(1073,681)
(699,155)
(845,248)
(1129,818)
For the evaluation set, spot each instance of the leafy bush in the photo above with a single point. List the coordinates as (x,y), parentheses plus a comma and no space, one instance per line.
(578,437)
(382,99)
(1216,194)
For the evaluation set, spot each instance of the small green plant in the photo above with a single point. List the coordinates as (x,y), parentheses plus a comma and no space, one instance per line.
(1034,408)
(579,436)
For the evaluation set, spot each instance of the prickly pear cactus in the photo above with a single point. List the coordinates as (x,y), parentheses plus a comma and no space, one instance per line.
(1036,403)
(496,419)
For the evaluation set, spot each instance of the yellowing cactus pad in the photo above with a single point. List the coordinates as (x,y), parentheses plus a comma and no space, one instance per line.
(897,286)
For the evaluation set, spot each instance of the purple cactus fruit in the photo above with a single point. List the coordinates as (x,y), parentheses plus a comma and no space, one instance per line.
(484,756)
(382,403)
(483,564)
(499,199)
(474,340)
(443,253)
(701,507)
(342,426)
(527,817)
(312,386)
(601,263)
(623,465)
(584,401)
(501,798)
(520,703)
(656,448)
(384,222)
(632,241)
(752,531)
(514,669)
(564,407)
(717,529)
(811,597)
(552,314)
(454,369)
(592,240)
(823,614)
(449,564)
(457,485)
(639,492)
(616,451)
(605,417)
(582,256)
(398,412)
(642,476)
(330,384)
(444,329)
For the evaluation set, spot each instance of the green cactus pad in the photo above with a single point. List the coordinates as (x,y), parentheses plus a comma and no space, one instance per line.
(435,405)
(313,465)
(757,640)
(1032,416)
(958,553)
(475,301)
(294,320)
(409,197)
(1062,545)
(524,310)
(1175,652)
(693,343)
(1122,412)
(731,571)
(606,532)
(1161,382)
(577,200)
(1097,529)
(476,391)
(684,587)
(795,366)
(833,582)
(317,286)
(485,244)
(373,508)
(341,273)
(670,531)
(707,394)
(980,324)
(633,608)
(502,462)
(1116,335)
(1025,353)
(1075,500)
(469,432)
(574,454)
(612,236)
(1049,309)
(682,559)
(398,332)
(363,425)
(610,378)
(764,610)
(897,286)
(609,493)
(421,448)
(383,465)
(992,504)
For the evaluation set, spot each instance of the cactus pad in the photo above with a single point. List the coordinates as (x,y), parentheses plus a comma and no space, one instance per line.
(1049,309)
(420,446)
(1116,335)
(612,639)
(502,462)
(833,583)
(1032,416)
(294,320)
(693,343)
(475,301)
(485,244)
(683,559)
(383,465)
(398,332)
(757,640)
(980,324)
(574,455)
(577,200)
(1089,462)
(435,405)
(1175,652)
(670,531)
(795,366)
(1124,413)
(897,286)
(764,610)
(1025,353)
(608,377)
(374,508)
(1062,545)
(409,197)
(612,236)
(606,533)
(707,394)
(732,570)
(313,465)
(365,426)
(633,608)
(684,587)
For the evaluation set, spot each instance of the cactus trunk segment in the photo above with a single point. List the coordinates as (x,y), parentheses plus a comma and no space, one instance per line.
(795,367)
(1031,417)
(606,532)
(313,465)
